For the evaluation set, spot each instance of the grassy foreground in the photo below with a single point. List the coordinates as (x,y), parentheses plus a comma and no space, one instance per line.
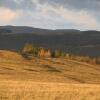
(28,90)
(47,79)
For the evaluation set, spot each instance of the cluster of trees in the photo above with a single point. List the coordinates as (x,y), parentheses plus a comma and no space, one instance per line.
(30,50)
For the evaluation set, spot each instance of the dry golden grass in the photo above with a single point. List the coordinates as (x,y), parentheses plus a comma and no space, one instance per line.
(47,79)
(10,55)
(29,90)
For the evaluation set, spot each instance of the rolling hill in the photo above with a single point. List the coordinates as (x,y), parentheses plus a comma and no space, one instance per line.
(47,78)
(69,40)
(14,67)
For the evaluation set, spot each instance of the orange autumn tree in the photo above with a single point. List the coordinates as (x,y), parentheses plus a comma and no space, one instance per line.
(44,53)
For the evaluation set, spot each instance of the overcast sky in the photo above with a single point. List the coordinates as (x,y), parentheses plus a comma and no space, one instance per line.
(51,14)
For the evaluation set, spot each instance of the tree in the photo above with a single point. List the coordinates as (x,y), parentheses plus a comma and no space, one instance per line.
(56,54)
(41,52)
(27,49)
(62,54)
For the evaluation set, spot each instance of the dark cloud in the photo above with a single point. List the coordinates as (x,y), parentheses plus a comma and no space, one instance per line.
(76,4)
(8,4)
(90,5)
(27,4)
(15,4)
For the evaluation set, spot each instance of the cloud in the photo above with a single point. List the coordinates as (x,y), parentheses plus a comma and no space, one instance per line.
(91,5)
(10,4)
(76,17)
(75,4)
(7,15)
(80,14)
(59,15)
(18,4)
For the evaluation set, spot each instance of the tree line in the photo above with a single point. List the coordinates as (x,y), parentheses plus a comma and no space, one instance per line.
(30,50)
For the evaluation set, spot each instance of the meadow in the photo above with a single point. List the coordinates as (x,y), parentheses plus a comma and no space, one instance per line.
(47,78)
(29,90)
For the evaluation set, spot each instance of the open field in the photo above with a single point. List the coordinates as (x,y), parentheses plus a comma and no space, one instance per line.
(47,79)
(29,90)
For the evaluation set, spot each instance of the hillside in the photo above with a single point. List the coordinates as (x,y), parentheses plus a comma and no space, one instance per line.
(47,78)
(14,67)
(69,40)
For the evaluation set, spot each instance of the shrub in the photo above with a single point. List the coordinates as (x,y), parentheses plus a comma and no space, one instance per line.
(29,50)
(57,54)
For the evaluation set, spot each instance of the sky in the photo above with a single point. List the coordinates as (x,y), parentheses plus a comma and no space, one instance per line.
(51,14)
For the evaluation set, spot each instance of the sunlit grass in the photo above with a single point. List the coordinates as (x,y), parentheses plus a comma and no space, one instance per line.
(28,90)
(47,79)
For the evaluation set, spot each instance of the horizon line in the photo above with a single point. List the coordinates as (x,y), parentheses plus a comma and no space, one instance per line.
(47,28)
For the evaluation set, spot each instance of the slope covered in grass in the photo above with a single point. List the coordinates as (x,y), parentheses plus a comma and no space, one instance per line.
(29,90)
(9,55)
(47,78)
(14,67)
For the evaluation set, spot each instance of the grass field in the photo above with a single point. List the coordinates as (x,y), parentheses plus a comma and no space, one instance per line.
(47,79)
(29,90)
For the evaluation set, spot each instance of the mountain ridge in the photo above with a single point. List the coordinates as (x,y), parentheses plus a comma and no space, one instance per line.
(77,42)
(29,29)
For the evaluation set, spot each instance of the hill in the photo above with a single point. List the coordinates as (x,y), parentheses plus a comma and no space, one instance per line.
(47,78)
(68,40)
(14,67)
(9,55)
